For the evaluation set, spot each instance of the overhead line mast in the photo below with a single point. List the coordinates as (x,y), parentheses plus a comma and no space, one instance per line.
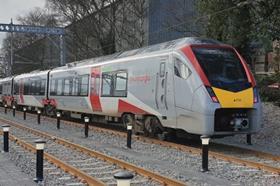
(35,30)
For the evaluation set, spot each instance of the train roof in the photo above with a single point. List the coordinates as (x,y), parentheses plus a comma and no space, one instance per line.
(31,74)
(162,47)
(157,48)
(6,79)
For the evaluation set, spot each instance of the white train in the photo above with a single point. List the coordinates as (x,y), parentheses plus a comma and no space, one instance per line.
(200,86)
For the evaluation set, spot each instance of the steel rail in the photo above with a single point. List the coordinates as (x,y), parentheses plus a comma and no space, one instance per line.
(194,150)
(255,152)
(168,144)
(141,171)
(85,178)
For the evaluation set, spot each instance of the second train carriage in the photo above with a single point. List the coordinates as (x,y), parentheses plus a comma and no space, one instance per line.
(31,89)
(6,88)
(196,85)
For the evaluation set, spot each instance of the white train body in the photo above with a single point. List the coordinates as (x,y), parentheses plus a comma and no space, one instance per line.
(31,89)
(6,86)
(170,82)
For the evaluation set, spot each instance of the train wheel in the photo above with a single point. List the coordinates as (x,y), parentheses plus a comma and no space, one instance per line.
(153,128)
(50,110)
(128,119)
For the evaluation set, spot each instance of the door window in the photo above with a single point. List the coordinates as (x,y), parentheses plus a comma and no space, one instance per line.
(180,69)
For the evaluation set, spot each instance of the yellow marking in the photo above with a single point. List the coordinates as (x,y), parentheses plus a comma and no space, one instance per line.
(242,99)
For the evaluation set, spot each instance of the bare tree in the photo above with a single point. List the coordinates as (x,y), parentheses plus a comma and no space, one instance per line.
(132,24)
(100,27)
(22,41)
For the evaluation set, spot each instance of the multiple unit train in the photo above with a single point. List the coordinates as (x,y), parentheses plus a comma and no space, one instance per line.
(199,86)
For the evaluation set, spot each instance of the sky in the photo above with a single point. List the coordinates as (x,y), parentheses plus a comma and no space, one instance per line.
(13,8)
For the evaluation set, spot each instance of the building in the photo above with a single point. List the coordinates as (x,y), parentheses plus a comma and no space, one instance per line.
(134,24)
(172,19)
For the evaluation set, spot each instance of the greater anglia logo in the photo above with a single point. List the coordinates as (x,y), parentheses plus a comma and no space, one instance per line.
(144,79)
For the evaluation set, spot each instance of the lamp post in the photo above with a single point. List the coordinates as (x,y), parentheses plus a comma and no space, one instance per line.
(86,126)
(123,178)
(14,110)
(58,115)
(6,137)
(39,116)
(40,145)
(205,142)
(129,134)
(5,108)
(24,113)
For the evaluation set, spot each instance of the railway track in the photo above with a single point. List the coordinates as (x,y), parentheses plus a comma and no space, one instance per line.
(91,166)
(53,165)
(250,158)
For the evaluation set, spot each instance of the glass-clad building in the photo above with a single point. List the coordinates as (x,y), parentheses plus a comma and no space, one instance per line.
(172,19)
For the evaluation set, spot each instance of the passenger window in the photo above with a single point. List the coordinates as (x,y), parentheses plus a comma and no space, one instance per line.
(16,87)
(114,84)
(180,69)
(33,87)
(67,87)
(38,87)
(42,89)
(59,87)
(26,87)
(121,79)
(107,84)
(121,87)
(84,85)
(75,87)
(52,89)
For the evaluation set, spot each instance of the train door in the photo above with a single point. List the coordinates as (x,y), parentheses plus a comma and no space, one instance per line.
(161,86)
(164,97)
(183,91)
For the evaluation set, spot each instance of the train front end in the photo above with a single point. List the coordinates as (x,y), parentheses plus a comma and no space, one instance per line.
(228,101)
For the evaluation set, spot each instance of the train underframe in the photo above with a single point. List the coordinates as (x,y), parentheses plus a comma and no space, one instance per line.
(226,120)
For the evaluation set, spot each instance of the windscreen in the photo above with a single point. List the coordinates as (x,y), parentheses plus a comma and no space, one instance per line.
(223,68)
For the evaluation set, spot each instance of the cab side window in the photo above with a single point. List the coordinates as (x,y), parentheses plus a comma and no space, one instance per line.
(181,70)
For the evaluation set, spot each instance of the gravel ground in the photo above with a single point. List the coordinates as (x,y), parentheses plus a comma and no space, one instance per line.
(26,160)
(166,161)
(92,166)
(268,138)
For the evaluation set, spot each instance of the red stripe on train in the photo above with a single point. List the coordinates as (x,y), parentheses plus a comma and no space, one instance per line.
(127,107)
(187,50)
(190,55)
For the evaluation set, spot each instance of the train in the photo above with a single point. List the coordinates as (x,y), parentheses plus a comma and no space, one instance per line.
(195,85)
